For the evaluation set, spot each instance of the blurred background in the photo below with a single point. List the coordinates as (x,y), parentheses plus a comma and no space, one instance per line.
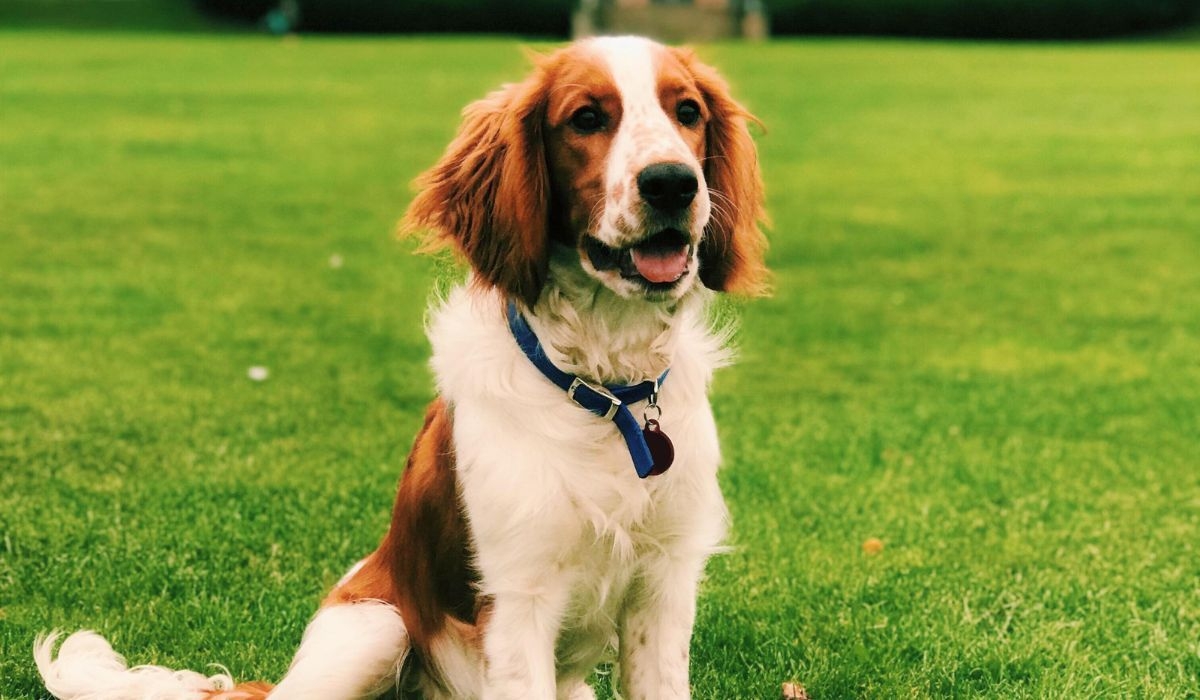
(670,19)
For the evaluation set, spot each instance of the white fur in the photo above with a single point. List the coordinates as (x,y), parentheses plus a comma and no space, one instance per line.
(87,668)
(591,548)
(349,651)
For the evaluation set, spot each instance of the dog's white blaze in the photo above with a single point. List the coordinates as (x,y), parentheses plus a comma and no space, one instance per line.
(646,135)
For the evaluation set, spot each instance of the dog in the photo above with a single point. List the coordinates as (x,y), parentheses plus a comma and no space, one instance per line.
(561,498)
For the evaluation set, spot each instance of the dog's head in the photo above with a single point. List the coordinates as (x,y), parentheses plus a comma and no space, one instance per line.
(629,152)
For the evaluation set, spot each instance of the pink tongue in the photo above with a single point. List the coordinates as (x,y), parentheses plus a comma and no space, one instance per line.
(661,265)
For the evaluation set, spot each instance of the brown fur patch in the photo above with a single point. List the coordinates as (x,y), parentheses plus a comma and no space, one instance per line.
(577,161)
(676,85)
(243,691)
(423,566)
(496,197)
(489,195)
(731,254)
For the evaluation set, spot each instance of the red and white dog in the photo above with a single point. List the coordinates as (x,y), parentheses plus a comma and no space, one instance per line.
(599,203)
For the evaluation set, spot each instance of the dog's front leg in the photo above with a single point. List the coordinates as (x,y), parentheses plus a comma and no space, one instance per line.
(656,633)
(519,645)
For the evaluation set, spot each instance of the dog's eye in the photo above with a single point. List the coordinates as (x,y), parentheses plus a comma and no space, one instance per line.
(587,120)
(688,112)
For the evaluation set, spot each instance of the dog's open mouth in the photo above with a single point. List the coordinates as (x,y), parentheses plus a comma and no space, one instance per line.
(661,259)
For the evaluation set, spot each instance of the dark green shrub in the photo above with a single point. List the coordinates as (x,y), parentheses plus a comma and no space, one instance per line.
(1022,19)
(529,17)
(247,10)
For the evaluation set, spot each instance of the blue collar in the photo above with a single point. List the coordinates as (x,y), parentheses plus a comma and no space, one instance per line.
(607,401)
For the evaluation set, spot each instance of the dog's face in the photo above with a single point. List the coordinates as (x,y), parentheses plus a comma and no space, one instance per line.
(625,146)
(629,152)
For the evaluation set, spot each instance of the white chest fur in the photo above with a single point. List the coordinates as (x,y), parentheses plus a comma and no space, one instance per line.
(551,495)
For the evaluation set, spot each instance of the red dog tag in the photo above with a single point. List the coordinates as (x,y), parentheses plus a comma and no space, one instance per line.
(661,449)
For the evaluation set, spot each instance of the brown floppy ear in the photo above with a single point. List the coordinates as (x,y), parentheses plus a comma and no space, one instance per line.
(731,253)
(488,196)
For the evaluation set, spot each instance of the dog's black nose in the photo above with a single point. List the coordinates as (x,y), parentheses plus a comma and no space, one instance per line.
(667,187)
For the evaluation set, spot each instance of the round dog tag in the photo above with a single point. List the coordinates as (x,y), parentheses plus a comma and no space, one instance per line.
(660,446)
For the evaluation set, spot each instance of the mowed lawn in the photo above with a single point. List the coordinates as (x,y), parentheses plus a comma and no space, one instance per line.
(983,349)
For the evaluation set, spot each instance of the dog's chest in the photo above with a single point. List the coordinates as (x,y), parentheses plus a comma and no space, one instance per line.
(603,575)
(593,616)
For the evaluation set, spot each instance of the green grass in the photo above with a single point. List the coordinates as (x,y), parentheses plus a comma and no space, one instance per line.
(984,349)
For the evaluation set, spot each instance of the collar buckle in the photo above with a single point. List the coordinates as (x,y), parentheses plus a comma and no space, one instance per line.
(599,391)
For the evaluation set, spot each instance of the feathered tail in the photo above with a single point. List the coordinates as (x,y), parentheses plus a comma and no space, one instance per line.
(87,668)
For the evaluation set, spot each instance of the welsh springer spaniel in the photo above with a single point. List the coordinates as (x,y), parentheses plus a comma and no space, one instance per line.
(599,203)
